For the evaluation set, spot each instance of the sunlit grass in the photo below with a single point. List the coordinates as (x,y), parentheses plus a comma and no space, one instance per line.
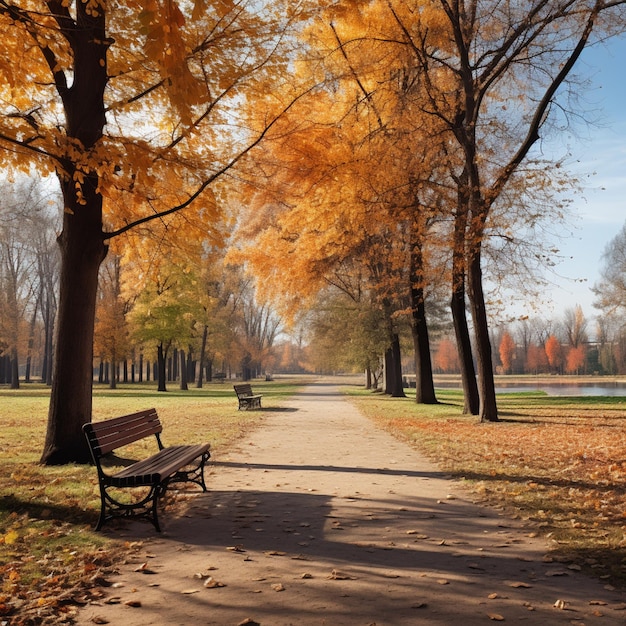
(47,514)
(557,462)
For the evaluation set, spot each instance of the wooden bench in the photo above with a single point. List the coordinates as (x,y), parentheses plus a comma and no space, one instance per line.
(169,465)
(219,377)
(247,399)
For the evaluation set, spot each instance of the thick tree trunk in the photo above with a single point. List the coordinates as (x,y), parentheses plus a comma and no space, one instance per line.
(488,410)
(464,347)
(81,241)
(82,251)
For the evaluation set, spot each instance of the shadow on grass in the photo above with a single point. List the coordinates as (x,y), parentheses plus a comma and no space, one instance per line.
(539,480)
(46,511)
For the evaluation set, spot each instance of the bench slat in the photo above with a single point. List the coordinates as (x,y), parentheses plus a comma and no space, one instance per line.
(159,466)
(120,431)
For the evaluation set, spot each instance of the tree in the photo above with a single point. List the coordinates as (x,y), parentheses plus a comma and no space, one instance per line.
(507,351)
(575,326)
(554,353)
(536,359)
(497,52)
(575,359)
(610,290)
(446,357)
(129,104)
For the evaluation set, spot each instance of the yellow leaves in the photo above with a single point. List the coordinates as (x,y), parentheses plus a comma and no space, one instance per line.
(10,538)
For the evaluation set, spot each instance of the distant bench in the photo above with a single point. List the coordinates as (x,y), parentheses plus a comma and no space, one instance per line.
(169,465)
(247,399)
(219,376)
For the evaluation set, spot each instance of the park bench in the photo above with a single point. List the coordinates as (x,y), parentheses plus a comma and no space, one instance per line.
(219,377)
(247,399)
(169,465)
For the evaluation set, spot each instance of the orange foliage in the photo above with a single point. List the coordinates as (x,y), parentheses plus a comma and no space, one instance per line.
(575,360)
(507,351)
(536,359)
(446,357)
(554,352)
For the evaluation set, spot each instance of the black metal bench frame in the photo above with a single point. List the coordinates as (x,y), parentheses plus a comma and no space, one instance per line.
(174,464)
(247,399)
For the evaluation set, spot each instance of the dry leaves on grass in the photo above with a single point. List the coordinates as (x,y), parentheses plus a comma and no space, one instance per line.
(70,579)
(562,467)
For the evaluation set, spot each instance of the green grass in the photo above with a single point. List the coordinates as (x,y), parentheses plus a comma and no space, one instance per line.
(48,548)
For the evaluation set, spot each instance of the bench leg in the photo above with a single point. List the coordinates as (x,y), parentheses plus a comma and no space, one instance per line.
(194,475)
(146,508)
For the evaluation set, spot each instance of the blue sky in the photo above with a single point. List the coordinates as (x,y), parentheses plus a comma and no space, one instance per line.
(598,157)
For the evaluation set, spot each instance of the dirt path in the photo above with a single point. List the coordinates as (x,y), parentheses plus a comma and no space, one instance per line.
(320,518)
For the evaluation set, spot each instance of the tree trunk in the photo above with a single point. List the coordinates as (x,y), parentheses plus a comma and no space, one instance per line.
(161,356)
(205,336)
(31,343)
(113,381)
(15,369)
(394,377)
(424,384)
(81,240)
(82,251)
(464,347)
(488,410)
(183,372)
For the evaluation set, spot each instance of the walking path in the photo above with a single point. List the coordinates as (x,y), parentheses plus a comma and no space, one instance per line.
(319,518)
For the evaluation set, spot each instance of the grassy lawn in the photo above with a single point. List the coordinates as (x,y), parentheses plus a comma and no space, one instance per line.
(50,557)
(557,462)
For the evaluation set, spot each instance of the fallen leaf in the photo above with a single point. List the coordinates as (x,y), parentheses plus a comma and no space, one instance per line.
(443,581)
(248,622)
(496,617)
(597,603)
(98,619)
(211,583)
(337,575)
(134,603)
(278,587)
(237,548)
(559,604)
(113,600)
(493,596)
(306,575)
(419,605)
(518,585)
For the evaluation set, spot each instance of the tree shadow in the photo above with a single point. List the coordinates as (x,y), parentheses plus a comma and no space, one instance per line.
(47,511)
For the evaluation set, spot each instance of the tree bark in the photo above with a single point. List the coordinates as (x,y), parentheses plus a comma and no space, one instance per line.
(183,371)
(82,251)
(396,391)
(488,409)
(424,384)
(81,240)
(471,404)
(201,358)
(161,356)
